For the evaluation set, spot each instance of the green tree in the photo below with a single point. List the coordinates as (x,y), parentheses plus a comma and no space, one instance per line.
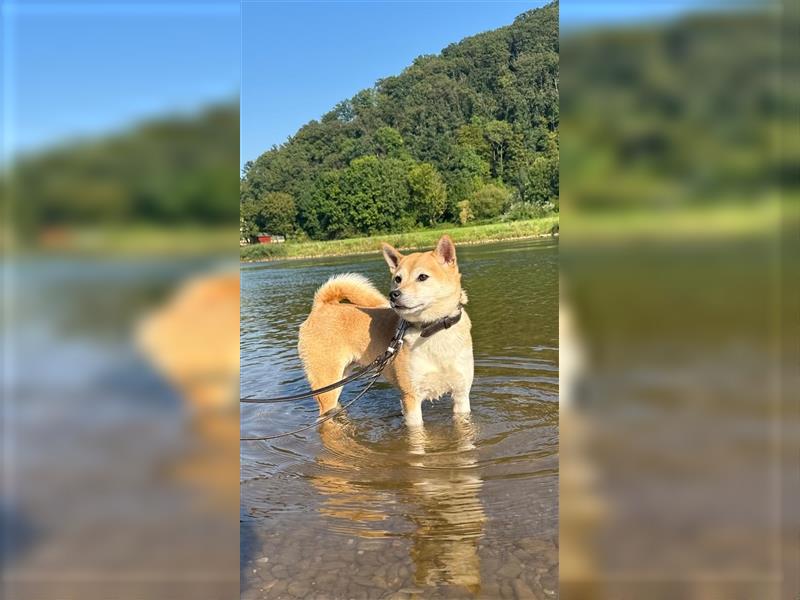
(465,212)
(389,142)
(374,193)
(542,180)
(490,201)
(480,110)
(248,219)
(276,213)
(502,143)
(428,193)
(472,136)
(466,172)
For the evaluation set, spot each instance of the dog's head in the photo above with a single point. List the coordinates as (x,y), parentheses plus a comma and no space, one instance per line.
(425,285)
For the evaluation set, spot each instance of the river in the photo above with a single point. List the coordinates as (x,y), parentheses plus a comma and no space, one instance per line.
(349,509)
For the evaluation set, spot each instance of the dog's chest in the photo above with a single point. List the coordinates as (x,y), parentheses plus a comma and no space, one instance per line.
(436,365)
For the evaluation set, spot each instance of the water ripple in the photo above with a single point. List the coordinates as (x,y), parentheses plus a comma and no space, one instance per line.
(367,491)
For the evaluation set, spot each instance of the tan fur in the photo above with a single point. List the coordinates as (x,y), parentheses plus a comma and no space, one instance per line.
(193,340)
(352,287)
(336,336)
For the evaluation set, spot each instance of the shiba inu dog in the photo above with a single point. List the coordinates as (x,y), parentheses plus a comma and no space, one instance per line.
(436,356)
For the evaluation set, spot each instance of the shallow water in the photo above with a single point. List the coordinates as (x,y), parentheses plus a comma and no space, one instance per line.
(352,508)
(94,504)
(686,417)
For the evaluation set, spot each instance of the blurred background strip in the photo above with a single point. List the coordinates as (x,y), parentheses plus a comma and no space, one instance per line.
(679,422)
(120,299)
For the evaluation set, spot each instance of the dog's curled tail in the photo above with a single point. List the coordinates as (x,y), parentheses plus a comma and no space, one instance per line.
(352,287)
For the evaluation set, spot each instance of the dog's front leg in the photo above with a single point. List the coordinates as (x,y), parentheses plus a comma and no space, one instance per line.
(412,410)
(462,386)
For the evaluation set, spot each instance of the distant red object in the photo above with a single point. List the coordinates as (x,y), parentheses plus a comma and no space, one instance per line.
(268,238)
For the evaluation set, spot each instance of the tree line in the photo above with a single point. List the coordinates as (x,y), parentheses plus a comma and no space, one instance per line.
(169,171)
(469,134)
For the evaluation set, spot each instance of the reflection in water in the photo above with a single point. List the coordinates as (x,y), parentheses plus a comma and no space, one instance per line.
(360,508)
(115,492)
(582,507)
(192,339)
(450,519)
(343,500)
(443,486)
(676,419)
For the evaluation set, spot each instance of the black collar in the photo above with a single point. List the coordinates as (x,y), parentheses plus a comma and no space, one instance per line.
(428,329)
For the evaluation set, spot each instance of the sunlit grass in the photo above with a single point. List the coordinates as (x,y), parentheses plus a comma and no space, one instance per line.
(727,220)
(474,234)
(137,240)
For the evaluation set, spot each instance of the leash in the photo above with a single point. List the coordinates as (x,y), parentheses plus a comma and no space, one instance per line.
(318,421)
(377,365)
(278,399)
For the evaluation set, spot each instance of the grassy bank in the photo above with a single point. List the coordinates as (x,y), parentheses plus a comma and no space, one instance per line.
(136,241)
(475,234)
(718,220)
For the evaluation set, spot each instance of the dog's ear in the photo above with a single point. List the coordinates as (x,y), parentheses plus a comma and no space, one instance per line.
(391,255)
(446,251)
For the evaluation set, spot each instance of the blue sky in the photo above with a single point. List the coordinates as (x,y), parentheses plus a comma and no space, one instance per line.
(576,14)
(83,68)
(300,59)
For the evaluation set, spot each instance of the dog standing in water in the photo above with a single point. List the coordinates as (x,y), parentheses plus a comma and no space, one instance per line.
(436,357)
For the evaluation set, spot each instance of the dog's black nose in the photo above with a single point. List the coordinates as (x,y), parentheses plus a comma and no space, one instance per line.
(394,294)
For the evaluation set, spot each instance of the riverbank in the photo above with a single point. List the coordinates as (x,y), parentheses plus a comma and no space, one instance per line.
(719,220)
(475,234)
(131,241)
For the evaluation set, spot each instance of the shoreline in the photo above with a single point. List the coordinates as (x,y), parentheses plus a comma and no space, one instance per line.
(421,238)
(534,236)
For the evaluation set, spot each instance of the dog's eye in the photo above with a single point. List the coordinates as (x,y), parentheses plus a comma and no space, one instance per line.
(398,279)
(422,277)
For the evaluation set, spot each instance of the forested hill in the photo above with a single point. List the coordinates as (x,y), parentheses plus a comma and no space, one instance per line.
(469,134)
(169,170)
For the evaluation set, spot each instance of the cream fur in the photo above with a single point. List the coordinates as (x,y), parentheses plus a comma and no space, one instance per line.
(336,335)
